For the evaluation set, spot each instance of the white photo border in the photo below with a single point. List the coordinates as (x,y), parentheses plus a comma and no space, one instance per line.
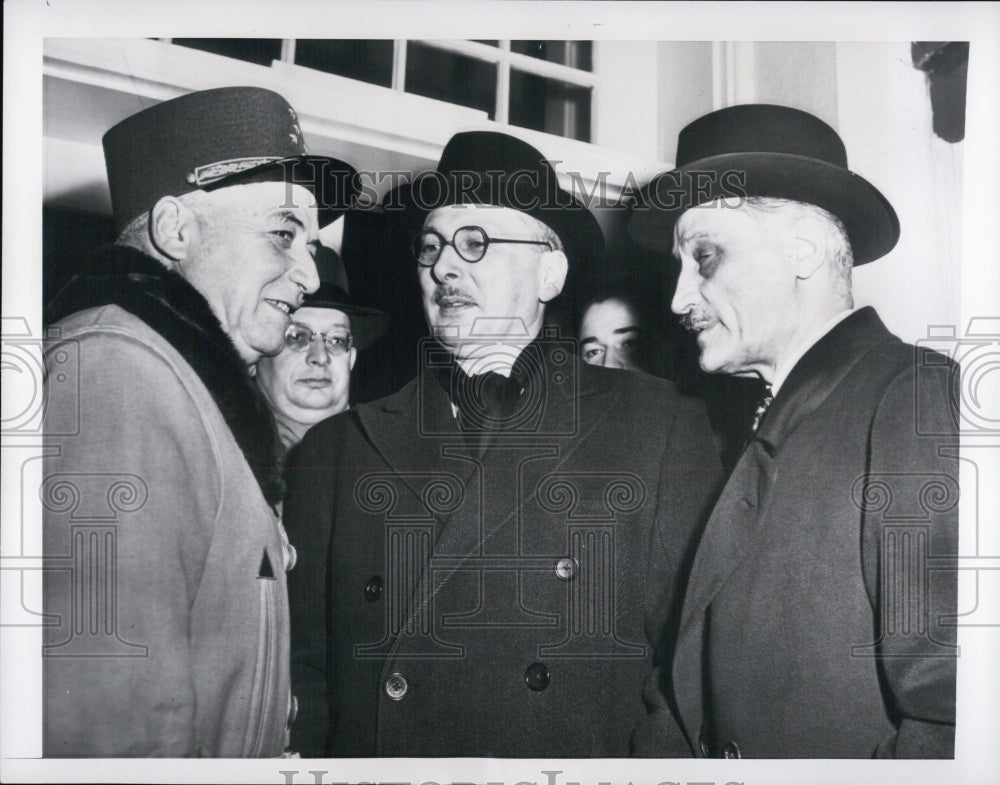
(29,22)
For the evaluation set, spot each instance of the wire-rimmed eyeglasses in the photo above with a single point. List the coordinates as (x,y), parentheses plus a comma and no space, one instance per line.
(469,242)
(298,338)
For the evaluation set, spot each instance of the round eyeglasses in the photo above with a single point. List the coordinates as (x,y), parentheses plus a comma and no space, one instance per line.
(298,338)
(469,242)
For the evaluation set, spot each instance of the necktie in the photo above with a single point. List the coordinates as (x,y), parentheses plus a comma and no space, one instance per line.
(762,408)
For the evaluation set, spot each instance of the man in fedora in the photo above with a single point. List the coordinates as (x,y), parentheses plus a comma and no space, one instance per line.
(818,621)
(165,579)
(310,379)
(473,549)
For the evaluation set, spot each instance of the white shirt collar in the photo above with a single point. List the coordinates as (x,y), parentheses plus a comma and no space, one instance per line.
(808,341)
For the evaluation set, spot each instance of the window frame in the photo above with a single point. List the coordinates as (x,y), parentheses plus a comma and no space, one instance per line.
(500,55)
(342,117)
(505,59)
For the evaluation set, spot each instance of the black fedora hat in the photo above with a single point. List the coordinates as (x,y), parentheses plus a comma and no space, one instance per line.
(771,151)
(215,138)
(367,324)
(491,168)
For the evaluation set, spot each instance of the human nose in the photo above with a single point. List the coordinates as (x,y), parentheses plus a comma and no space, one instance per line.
(686,295)
(317,353)
(304,273)
(613,359)
(449,265)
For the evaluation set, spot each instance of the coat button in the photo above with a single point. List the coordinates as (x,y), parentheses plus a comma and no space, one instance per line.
(731,750)
(373,589)
(537,676)
(566,568)
(396,686)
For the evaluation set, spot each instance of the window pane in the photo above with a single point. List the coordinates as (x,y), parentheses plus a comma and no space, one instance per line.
(549,105)
(366,60)
(254,50)
(458,79)
(575,54)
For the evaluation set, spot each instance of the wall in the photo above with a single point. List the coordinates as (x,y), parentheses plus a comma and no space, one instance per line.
(799,74)
(884,115)
(684,89)
(625,103)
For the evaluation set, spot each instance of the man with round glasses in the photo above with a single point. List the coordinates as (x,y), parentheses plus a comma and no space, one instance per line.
(469,242)
(473,549)
(310,379)
(488,283)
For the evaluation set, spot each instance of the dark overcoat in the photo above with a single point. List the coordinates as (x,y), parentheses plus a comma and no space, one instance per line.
(449,603)
(819,618)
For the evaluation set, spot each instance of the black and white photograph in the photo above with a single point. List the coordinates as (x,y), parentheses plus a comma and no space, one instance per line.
(564,393)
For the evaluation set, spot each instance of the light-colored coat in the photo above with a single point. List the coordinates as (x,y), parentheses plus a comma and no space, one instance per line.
(165,585)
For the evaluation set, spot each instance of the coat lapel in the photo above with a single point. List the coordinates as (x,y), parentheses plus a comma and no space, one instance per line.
(729,536)
(739,515)
(819,372)
(571,407)
(415,433)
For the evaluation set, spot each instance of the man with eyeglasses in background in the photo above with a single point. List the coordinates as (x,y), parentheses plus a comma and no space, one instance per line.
(310,379)
(473,549)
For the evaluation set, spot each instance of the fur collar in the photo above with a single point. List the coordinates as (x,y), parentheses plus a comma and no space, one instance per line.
(166,302)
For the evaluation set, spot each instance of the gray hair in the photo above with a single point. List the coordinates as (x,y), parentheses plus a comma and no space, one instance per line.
(136,232)
(548,234)
(840,257)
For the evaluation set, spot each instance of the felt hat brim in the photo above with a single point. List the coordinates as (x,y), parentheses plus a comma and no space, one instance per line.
(367,324)
(871,223)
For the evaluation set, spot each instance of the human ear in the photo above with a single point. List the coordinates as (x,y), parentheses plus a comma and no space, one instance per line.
(353,356)
(808,246)
(173,229)
(552,269)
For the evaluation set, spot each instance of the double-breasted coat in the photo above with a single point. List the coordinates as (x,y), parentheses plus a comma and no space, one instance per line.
(449,603)
(819,617)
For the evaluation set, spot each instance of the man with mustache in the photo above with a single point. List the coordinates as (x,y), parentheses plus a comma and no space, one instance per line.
(818,621)
(167,621)
(473,550)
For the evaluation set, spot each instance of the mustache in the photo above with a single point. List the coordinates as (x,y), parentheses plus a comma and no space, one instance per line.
(696,320)
(450,291)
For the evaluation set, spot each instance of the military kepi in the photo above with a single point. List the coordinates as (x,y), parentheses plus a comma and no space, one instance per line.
(215,138)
